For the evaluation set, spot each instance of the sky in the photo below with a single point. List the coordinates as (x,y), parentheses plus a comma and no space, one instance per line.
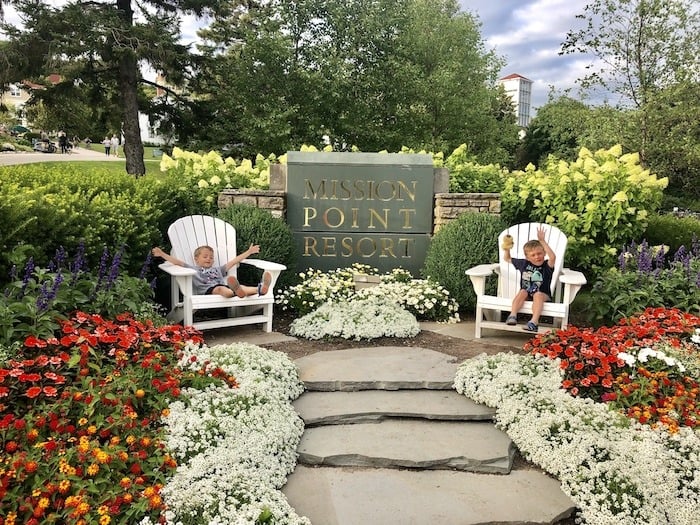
(529,34)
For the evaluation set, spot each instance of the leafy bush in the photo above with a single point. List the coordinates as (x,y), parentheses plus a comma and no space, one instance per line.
(646,277)
(468,176)
(256,226)
(672,231)
(206,175)
(600,201)
(46,207)
(470,239)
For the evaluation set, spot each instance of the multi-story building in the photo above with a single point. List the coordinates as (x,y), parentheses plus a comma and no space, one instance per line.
(520,90)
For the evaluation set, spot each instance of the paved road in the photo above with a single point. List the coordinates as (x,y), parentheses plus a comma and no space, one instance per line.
(10,158)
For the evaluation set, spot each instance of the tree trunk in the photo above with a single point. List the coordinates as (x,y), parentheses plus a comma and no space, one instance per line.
(128,83)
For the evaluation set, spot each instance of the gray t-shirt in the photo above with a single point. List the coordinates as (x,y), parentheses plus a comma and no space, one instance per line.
(207,278)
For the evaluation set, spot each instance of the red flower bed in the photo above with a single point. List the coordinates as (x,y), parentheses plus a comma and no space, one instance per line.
(592,368)
(79,420)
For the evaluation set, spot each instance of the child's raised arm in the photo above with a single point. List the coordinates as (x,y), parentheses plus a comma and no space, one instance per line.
(252,249)
(157,252)
(551,256)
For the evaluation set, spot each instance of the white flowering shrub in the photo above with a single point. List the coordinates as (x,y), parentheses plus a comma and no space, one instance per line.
(615,470)
(207,174)
(362,318)
(427,300)
(235,447)
(600,201)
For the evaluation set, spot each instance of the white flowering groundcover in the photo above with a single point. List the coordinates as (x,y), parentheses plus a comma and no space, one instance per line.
(367,318)
(235,447)
(617,471)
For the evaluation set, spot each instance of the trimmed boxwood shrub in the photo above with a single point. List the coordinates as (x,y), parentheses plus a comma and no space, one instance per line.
(256,226)
(470,239)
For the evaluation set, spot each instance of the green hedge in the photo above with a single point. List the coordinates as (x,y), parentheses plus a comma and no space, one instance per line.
(672,231)
(46,207)
(256,226)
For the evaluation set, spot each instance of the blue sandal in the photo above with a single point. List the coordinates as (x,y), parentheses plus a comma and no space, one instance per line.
(512,320)
(531,327)
(264,285)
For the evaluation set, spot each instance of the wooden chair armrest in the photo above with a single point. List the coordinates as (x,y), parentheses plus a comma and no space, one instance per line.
(264,265)
(572,281)
(482,270)
(175,270)
(478,275)
(572,277)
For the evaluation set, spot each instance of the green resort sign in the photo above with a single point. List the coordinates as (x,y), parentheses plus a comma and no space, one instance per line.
(370,208)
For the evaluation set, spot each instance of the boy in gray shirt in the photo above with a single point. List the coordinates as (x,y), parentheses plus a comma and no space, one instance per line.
(212,279)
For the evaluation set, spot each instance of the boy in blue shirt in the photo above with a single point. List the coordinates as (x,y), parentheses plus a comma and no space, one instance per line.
(535,277)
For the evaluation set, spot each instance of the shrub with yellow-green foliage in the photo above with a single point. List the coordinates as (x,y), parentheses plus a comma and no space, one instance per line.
(207,174)
(601,201)
(468,176)
(46,207)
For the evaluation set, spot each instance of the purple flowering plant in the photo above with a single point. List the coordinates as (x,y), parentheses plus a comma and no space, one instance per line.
(36,299)
(647,276)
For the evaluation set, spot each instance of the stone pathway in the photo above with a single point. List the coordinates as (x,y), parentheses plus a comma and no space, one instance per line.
(388,441)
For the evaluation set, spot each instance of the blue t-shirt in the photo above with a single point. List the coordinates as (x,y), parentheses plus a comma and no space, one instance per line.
(534,278)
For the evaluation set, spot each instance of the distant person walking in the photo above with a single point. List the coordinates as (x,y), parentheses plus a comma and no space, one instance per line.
(107,144)
(115,146)
(63,141)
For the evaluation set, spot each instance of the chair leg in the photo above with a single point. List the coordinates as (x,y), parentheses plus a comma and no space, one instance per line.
(267,311)
(477,323)
(187,312)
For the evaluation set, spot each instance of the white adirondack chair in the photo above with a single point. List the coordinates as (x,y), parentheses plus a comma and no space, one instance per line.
(188,233)
(566,283)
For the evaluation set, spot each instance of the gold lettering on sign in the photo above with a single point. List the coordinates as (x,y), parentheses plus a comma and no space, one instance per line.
(407,214)
(310,247)
(374,214)
(339,217)
(365,247)
(384,190)
(328,246)
(309,213)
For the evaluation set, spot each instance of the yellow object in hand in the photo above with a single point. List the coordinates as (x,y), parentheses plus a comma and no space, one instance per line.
(507,243)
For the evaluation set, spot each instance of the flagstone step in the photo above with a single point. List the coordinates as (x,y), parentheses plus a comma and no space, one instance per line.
(358,496)
(380,368)
(411,443)
(332,408)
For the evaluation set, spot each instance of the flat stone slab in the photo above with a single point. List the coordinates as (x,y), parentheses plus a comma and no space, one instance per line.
(332,408)
(353,496)
(380,368)
(474,447)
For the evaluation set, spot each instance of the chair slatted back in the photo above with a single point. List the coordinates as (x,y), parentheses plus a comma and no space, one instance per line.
(188,233)
(509,282)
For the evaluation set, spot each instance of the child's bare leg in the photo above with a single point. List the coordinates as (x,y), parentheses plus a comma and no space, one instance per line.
(239,289)
(225,291)
(515,307)
(518,302)
(265,283)
(538,301)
